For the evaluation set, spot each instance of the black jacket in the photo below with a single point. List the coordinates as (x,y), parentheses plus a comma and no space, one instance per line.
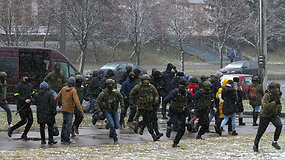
(24,91)
(230,98)
(46,107)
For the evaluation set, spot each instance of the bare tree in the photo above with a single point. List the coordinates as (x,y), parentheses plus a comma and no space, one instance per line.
(83,19)
(17,22)
(180,22)
(135,17)
(226,21)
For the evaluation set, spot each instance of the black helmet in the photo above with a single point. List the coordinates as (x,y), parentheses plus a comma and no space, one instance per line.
(71,81)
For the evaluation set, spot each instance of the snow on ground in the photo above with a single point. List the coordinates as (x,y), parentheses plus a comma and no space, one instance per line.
(235,147)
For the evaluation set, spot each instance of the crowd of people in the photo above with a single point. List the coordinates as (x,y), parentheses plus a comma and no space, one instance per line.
(188,100)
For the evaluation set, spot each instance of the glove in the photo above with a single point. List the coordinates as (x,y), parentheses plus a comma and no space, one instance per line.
(277,101)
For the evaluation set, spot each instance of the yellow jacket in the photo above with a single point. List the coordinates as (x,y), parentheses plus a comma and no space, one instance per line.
(219,97)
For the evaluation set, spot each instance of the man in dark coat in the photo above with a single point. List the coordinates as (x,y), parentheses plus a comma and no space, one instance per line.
(203,101)
(94,89)
(175,81)
(82,94)
(23,96)
(126,74)
(270,112)
(168,76)
(46,111)
(126,88)
(181,101)
(240,95)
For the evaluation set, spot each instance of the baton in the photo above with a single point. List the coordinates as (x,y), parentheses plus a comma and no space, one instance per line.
(20,109)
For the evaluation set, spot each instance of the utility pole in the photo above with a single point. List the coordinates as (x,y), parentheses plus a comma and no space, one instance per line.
(262,48)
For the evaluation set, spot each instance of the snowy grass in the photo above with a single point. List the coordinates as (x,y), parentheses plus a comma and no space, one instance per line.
(16,118)
(234,147)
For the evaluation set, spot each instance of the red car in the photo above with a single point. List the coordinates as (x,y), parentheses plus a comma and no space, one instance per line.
(244,80)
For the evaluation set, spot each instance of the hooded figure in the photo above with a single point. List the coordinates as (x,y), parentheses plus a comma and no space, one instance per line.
(46,111)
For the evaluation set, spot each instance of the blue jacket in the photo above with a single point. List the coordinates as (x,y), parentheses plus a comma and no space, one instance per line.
(127,86)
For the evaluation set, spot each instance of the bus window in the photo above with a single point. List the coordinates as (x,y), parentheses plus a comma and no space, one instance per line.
(72,72)
(8,65)
(64,68)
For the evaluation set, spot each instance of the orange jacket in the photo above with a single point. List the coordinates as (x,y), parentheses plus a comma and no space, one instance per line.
(69,99)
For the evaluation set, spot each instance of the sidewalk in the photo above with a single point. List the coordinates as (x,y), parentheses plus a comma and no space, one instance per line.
(98,135)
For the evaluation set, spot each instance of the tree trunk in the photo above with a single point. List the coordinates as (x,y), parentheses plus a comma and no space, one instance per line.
(62,26)
(82,60)
(221,56)
(181,56)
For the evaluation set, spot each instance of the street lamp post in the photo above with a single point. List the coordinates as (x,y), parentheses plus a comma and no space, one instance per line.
(262,49)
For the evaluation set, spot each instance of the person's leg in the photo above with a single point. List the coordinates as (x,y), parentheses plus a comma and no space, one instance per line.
(66,126)
(50,134)
(233,118)
(278,124)
(77,121)
(111,123)
(7,109)
(181,129)
(204,123)
(42,132)
(225,120)
(123,113)
(255,115)
(264,122)
(30,119)
(133,112)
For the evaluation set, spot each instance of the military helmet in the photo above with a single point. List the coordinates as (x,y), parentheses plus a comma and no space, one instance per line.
(71,81)
(129,66)
(110,81)
(78,77)
(274,84)
(3,75)
(145,77)
(204,77)
(255,78)
(207,84)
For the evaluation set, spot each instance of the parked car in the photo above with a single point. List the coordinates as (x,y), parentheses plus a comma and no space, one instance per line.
(240,67)
(245,80)
(119,68)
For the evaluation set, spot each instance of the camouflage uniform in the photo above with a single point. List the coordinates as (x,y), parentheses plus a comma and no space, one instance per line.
(108,102)
(270,111)
(3,101)
(147,98)
(55,79)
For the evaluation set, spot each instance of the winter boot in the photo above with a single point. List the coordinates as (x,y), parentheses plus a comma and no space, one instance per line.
(168,132)
(43,141)
(275,145)
(217,129)
(154,137)
(10,131)
(255,148)
(234,133)
(240,120)
(141,130)
(175,145)
(199,137)
(51,141)
(24,137)
(255,116)
(75,128)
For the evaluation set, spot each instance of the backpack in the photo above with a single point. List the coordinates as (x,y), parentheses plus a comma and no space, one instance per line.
(252,93)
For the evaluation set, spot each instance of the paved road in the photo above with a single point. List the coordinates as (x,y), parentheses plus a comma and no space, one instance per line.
(98,135)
